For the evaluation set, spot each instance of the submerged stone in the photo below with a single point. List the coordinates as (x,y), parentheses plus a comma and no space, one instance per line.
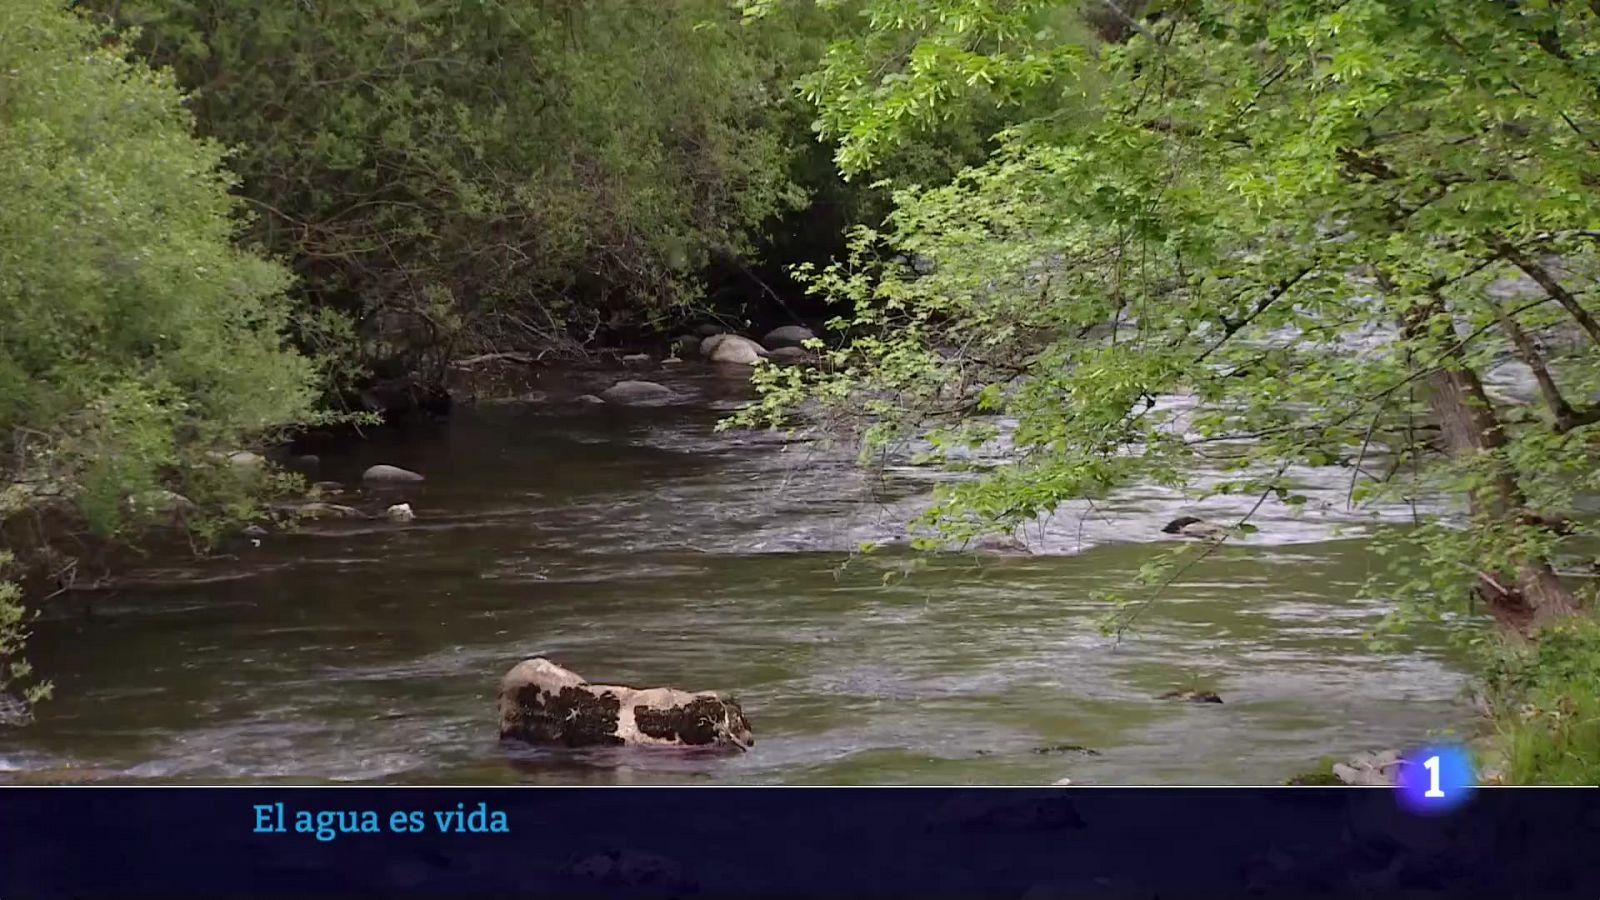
(1189,526)
(1066,748)
(635,392)
(1190,696)
(317,509)
(791,355)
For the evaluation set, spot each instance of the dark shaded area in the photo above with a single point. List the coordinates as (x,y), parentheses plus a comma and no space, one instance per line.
(1135,842)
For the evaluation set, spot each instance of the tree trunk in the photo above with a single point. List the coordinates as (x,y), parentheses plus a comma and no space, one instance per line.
(1470,426)
(1536,595)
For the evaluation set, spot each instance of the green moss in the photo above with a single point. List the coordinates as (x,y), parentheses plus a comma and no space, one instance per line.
(1321,776)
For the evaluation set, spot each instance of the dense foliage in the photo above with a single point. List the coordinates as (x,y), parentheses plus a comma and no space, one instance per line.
(138,344)
(135,338)
(507,171)
(1277,236)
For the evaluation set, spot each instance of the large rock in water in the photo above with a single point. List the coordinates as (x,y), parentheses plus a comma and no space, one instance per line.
(685,345)
(390,474)
(731,348)
(542,703)
(787,336)
(635,392)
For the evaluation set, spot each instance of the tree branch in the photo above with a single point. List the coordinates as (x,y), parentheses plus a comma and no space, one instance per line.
(1557,291)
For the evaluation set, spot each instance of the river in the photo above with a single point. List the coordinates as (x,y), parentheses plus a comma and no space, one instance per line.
(638,545)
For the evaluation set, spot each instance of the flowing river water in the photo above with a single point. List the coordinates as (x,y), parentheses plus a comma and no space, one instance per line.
(638,545)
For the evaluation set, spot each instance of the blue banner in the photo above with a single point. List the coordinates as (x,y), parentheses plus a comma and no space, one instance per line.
(165,842)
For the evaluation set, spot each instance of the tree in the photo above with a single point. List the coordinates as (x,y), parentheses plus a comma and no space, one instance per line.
(137,342)
(500,172)
(1290,214)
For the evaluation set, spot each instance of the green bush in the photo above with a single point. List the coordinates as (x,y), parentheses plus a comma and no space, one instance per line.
(135,336)
(16,675)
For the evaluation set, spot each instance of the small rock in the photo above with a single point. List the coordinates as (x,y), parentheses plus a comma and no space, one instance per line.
(1189,526)
(305,462)
(672,361)
(635,392)
(327,487)
(636,359)
(400,512)
(1066,748)
(685,345)
(161,500)
(1189,696)
(255,531)
(999,545)
(244,459)
(791,355)
(1061,782)
(787,336)
(390,474)
(588,399)
(1380,768)
(732,349)
(319,510)
(525,397)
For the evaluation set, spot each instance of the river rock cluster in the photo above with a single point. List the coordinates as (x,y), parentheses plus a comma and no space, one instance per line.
(784,344)
(1370,769)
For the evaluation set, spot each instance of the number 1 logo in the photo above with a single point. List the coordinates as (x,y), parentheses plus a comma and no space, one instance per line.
(1436,779)
(1433,791)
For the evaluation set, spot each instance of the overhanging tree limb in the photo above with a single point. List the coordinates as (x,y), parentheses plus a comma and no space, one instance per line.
(1557,291)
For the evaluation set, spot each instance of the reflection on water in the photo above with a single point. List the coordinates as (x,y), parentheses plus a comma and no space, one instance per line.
(635,545)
